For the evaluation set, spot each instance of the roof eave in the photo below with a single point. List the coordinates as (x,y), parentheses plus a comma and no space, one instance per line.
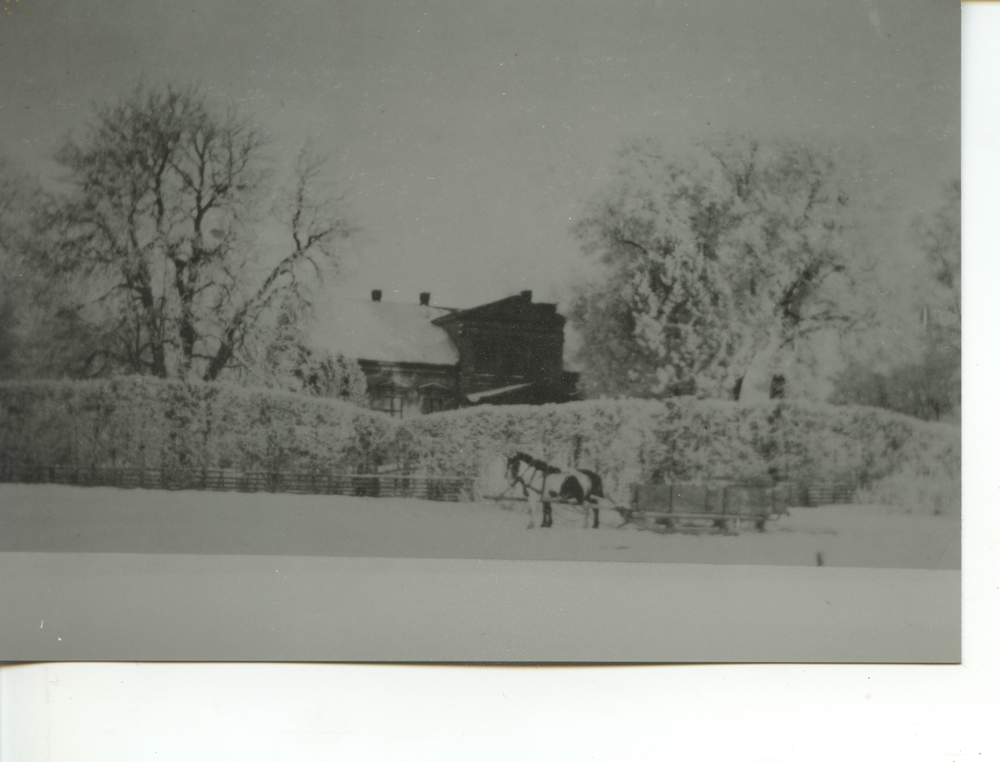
(473,311)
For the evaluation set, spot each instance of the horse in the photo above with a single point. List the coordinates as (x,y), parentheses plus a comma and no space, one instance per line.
(543,482)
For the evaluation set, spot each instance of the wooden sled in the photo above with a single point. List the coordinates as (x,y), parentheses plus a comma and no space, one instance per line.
(698,508)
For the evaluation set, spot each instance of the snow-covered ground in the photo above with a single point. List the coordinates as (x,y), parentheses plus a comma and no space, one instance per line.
(52,518)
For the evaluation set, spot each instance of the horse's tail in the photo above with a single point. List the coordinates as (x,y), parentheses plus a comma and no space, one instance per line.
(596,485)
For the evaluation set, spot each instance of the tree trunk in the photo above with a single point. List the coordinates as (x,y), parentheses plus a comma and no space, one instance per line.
(148,301)
(184,284)
(756,386)
(218,363)
(159,366)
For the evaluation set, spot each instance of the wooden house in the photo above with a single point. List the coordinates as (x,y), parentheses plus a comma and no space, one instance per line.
(421,358)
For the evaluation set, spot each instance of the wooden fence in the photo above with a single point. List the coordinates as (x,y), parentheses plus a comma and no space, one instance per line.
(827,494)
(444,488)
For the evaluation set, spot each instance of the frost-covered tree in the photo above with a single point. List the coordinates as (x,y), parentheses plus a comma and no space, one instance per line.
(286,360)
(929,389)
(940,240)
(616,361)
(166,197)
(716,263)
(928,385)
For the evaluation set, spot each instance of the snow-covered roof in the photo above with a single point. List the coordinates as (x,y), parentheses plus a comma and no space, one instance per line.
(383,331)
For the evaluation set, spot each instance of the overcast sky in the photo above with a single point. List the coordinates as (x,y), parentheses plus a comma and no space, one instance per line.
(468,133)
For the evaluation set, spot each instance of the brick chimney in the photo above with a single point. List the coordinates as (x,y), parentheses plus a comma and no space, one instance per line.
(526,295)
(376,295)
(425,298)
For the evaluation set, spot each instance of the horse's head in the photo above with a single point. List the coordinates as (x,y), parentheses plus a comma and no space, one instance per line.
(513,469)
(517,463)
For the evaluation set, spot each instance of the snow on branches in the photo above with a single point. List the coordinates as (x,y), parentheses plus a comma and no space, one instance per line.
(718,262)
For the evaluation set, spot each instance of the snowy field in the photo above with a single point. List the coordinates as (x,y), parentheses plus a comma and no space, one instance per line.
(179,576)
(52,518)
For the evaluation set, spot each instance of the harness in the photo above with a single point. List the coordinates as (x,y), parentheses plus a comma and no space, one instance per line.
(537,467)
(526,485)
(534,467)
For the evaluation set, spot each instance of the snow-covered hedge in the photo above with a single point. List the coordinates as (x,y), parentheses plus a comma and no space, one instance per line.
(685,439)
(149,423)
(141,422)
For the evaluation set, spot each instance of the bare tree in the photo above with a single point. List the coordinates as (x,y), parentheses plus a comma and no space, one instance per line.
(306,211)
(166,196)
(10,186)
(24,302)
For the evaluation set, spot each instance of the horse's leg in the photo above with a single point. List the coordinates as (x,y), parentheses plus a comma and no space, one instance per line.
(532,504)
(597,517)
(546,514)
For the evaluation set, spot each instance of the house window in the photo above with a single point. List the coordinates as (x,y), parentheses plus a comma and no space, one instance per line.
(777,387)
(433,405)
(391,405)
(510,356)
